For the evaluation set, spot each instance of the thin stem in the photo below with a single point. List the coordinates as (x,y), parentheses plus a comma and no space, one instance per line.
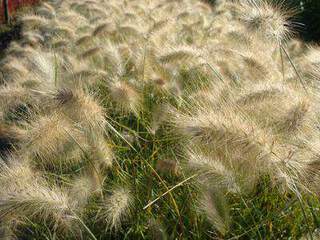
(163,183)
(293,66)
(170,190)
(215,72)
(55,69)
(85,226)
(90,162)
(119,134)
(302,209)
(282,62)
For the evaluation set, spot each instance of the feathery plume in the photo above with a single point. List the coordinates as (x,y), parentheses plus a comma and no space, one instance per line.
(91,52)
(34,20)
(57,145)
(270,21)
(27,195)
(12,96)
(86,39)
(125,95)
(9,137)
(100,153)
(35,200)
(81,190)
(103,29)
(82,109)
(116,208)
(215,207)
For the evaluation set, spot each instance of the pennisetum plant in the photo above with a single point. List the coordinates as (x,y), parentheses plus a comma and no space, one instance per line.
(128,119)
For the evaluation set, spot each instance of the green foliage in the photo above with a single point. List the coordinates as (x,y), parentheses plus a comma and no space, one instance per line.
(269,213)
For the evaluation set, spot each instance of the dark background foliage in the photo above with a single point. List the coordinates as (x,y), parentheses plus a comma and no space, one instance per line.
(308,14)
(311,18)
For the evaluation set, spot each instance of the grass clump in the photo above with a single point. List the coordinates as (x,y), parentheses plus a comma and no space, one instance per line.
(159,120)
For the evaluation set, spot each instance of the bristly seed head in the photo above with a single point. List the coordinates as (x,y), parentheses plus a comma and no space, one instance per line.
(267,20)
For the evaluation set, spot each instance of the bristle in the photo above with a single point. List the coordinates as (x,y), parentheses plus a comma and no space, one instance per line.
(116,208)
(17,170)
(215,207)
(100,153)
(33,20)
(10,136)
(37,201)
(126,96)
(27,195)
(82,109)
(13,95)
(268,20)
(167,166)
(64,96)
(105,28)
(57,146)
(82,189)
(219,173)
(91,52)
(84,40)
(181,54)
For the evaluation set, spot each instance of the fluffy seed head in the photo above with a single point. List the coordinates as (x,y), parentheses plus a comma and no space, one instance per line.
(27,195)
(267,20)
(57,146)
(215,207)
(84,40)
(82,109)
(102,29)
(100,153)
(91,52)
(116,208)
(82,189)
(12,96)
(125,95)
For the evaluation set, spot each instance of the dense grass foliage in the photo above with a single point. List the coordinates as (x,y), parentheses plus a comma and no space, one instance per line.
(159,120)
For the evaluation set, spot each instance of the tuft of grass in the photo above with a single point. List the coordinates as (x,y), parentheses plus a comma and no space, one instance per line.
(159,120)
